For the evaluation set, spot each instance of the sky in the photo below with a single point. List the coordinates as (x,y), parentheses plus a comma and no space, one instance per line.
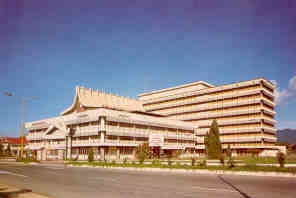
(129,47)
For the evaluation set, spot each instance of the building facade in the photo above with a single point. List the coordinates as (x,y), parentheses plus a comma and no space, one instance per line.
(168,120)
(244,112)
(111,126)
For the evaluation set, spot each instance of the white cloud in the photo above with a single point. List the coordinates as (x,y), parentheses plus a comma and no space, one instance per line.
(285,95)
(292,83)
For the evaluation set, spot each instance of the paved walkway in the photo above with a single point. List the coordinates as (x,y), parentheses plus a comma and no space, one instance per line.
(11,192)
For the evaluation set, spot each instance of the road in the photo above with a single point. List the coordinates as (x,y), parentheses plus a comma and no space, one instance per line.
(65,182)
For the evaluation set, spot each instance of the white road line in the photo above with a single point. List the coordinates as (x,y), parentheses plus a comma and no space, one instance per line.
(214,189)
(55,168)
(11,173)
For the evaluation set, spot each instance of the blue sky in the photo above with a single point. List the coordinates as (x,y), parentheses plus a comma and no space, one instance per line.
(128,47)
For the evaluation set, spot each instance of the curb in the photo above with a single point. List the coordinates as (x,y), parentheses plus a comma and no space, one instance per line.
(196,171)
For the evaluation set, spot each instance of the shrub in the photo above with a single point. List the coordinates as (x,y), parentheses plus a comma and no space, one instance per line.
(230,163)
(125,160)
(169,162)
(281,159)
(193,161)
(222,159)
(76,158)
(8,150)
(90,155)
(156,162)
(228,151)
(113,162)
(176,154)
(1,149)
(203,162)
(143,152)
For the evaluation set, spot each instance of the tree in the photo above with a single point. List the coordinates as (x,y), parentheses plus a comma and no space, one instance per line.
(8,150)
(230,161)
(281,159)
(143,152)
(212,142)
(90,155)
(1,149)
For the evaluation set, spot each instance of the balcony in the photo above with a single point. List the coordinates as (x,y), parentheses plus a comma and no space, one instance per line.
(35,146)
(204,91)
(129,132)
(86,131)
(219,114)
(53,137)
(207,107)
(109,142)
(232,130)
(206,98)
(55,146)
(78,143)
(34,136)
(223,114)
(177,145)
(243,139)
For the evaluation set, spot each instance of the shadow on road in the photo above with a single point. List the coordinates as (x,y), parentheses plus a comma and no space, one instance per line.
(233,186)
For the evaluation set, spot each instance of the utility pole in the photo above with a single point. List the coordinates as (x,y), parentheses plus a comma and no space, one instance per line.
(22,119)
(22,127)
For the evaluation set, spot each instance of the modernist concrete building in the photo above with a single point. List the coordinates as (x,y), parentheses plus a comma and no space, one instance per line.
(170,119)
(110,125)
(244,111)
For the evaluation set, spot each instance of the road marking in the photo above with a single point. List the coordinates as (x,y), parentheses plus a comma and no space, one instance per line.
(214,189)
(55,168)
(11,173)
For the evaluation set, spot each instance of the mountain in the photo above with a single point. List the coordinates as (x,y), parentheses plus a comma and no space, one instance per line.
(287,136)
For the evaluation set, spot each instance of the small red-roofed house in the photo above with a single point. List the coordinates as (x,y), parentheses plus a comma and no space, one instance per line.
(13,142)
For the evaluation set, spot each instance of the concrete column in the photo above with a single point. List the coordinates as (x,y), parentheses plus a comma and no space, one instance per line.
(117,153)
(43,155)
(102,123)
(69,143)
(102,153)
(60,154)
(39,155)
(134,153)
(102,140)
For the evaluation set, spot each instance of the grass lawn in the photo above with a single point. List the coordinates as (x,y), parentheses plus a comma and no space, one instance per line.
(249,167)
(265,160)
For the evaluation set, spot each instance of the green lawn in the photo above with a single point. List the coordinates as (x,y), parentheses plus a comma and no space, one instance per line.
(248,167)
(265,160)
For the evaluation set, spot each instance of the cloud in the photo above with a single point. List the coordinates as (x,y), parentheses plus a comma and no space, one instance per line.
(284,95)
(292,83)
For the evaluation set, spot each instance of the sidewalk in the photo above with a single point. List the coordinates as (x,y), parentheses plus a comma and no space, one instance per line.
(11,192)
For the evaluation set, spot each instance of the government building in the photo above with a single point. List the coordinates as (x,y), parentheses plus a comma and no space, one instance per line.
(169,120)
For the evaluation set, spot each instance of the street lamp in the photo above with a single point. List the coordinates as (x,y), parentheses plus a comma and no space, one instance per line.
(23,115)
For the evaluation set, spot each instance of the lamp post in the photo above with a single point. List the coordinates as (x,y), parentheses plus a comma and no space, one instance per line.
(23,117)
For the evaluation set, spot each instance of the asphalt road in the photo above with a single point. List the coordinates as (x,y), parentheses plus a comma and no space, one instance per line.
(71,182)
